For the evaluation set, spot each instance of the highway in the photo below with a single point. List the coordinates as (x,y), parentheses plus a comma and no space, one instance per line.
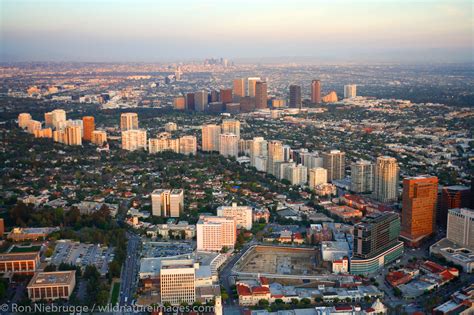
(129,275)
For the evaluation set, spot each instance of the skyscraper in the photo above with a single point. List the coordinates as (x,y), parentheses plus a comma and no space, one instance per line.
(134,139)
(226,96)
(229,145)
(59,115)
(88,126)
(188,145)
(452,197)
(128,121)
(247,104)
(362,176)
(200,100)
(258,148)
(167,203)
(317,176)
(335,162)
(461,227)
(214,96)
(239,88)
(295,96)
(74,135)
(316,91)
(210,137)
(386,179)
(231,126)
(419,208)
(251,82)
(275,155)
(261,95)
(350,91)
(179,103)
(23,120)
(48,119)
(190,103)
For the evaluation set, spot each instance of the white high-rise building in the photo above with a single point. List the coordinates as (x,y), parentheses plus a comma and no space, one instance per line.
(275,155)
(258,148)
(362,176)
(134,139)
(231,126)
(317,176)
(350,91)
(58,116)
(128,121)
(200,101)
(167,203)
(213,233)
(386,179)
(251,84)
(461,227)
(295,174)
(210,138)
(229,145)
(188,145)
(23,120)
(241,214)
(178,281)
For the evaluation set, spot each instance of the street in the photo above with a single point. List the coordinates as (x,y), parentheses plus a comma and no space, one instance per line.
(128,278)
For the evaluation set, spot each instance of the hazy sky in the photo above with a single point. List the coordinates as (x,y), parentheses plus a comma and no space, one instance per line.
(158,30)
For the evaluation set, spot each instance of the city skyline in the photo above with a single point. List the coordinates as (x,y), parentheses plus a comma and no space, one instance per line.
(307,31)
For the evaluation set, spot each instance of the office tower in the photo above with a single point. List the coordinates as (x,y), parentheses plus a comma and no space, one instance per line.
(48,119)
(188,145)
(275,155)
(225,96)
(210,137)
(316,91)
(99,137)
(171,126)
(251,83)
(419,208)
(74,135)
(201,101)
(452,197)
(350,91)
(23,120)
(295,96)
(239,88)
(214,96)
(178,281)
(461,227)
(134,139)
(232,108)
(190,103)
(241,214)
(88,127)
(376,243)
(261,95)
(229,145)
(362,176)
(213,233)
(231,126)
(59,115)
(317,176)
(179,103)
(258,149)
(167,203)
(386,179)
(33,125)
(335,162)
(128,121)
(247,104)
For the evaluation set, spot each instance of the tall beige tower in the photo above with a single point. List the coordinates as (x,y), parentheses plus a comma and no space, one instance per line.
(188,145)
(335,162)
(231,126)
(74,135)
(386,179)
(317,176)
(129,121)
(23,120)
(134,139)
(362,176)
(252,82)
(239,88)
(275,155)
(229,145)
(210,137)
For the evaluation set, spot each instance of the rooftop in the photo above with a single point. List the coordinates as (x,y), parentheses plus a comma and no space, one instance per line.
(52,278)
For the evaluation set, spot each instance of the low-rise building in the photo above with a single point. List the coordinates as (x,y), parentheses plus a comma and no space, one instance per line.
(51,285)
(19,263)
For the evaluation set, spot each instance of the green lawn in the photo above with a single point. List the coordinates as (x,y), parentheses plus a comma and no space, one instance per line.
(17,249)
(115,293)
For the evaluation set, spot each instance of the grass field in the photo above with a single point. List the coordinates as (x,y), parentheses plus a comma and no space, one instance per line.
(115,293)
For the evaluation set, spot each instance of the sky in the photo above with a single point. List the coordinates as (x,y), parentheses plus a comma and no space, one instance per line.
(348,31)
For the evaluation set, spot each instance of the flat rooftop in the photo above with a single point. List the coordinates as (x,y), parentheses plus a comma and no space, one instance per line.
(52,278)
(18,256)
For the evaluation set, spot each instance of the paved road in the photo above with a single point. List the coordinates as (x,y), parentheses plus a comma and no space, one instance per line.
(129,276)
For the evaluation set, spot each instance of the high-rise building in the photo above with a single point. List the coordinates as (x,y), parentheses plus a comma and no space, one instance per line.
(295,96)
(335,162)
(23,120)
(225,96)
(33,125)
(261,95)
(88,127)
(190,103)
(214,96)
(74,135)
(128,121)
(316,91)
(178,281)
(317,176)
(350,91)
(229,145)
(419,208)
(231,126)
(241,214)
(210,137)
(179,103)
(362,176)
(167,203)
(134,139)
(188,145)
(200,100)
(213,233)
(275,155)
(251,83)
(59,115)
(258,148)
(247,104)
(386,179)
(43,133)
(239,88)
(99,137)
(376,243)
(48,119)
(452,197)
(461,227)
